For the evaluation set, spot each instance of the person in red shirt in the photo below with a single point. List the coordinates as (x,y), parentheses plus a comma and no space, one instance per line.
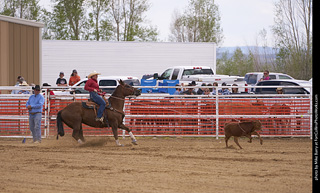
(74,78)
(95,93)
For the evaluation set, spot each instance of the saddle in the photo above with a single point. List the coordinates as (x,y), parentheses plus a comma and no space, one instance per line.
(92,105)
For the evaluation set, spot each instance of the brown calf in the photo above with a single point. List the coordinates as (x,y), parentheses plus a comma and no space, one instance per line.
(238,129)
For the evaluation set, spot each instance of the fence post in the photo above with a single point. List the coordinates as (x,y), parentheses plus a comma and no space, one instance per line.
(217,114)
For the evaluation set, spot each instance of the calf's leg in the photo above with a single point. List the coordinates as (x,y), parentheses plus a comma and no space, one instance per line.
(236,141)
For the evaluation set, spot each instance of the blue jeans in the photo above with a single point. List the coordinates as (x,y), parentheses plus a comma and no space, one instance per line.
(99,100)
(35,126)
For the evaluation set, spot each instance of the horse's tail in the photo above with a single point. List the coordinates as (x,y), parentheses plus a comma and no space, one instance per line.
(60,125)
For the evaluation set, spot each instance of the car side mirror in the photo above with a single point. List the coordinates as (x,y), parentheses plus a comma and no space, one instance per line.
(155,76)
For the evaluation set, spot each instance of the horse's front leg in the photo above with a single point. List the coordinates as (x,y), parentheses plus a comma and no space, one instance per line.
(134,140)
(115,134)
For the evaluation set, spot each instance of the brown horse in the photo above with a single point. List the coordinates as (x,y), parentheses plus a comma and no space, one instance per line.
(75,114)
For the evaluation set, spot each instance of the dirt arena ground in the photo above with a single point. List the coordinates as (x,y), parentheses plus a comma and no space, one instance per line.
(156,165)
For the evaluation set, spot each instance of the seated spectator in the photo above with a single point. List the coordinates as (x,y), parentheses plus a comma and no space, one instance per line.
(235,90)
(190,91)
(279,91)
(23,91)
(61,81)
(20,79)
(178,90)
(206,91)
(74,78)
(48,89)
(200,90)
(224,90)
(213,92)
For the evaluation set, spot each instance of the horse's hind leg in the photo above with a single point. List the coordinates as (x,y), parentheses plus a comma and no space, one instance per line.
(134,141)
(77,133)
(81,134)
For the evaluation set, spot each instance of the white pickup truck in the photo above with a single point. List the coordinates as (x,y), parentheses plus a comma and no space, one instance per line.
(199,74)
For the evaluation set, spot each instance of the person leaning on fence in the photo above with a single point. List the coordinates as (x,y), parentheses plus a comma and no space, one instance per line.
(74,78)
(224,90)
(34,106)
(23,85)
(96,94)
(61,81)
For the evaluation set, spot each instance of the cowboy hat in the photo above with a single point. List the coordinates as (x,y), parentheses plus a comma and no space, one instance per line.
(24,83)
(93,73)
(37,87)
(279,89)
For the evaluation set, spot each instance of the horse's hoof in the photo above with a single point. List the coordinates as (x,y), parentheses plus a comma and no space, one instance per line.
(80,142)
(134,142)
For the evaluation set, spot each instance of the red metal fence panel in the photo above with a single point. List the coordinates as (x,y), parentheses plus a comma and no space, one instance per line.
(163,115)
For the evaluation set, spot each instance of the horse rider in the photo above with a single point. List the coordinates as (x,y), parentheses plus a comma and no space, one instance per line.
(96,94)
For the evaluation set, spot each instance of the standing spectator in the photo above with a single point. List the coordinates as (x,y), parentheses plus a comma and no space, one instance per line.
(265,75)
(61,81)
(224,90)
(35,105)
(74,78)
(23,91)
(20,79)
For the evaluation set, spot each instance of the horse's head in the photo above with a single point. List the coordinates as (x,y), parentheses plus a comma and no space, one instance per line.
(128,90)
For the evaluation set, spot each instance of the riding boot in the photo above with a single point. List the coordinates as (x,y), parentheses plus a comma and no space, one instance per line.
(99,119)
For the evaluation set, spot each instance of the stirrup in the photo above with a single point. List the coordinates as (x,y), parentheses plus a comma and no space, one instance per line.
(99,119)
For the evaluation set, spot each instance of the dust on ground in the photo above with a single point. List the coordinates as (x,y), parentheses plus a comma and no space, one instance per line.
(156,165)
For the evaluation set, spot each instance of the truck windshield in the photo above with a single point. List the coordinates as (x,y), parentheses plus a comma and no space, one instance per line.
(250,78)
(132,82)
(197,71)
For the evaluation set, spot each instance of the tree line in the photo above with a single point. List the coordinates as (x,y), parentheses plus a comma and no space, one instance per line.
(125,20)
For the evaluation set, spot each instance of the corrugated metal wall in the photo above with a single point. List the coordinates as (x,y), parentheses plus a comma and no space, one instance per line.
(119,58)
(20,50)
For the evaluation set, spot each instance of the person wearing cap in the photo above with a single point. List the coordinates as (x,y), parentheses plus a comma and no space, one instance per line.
(96,94)
(34,106)
(61,81)
(22,91)
(74,78)
(190,91)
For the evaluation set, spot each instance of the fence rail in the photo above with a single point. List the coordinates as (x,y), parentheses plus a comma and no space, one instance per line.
(172,115)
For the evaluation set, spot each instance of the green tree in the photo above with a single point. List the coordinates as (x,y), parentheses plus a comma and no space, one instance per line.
(25,9)
(238,64)
(130,24)
(200,22)
(293,31)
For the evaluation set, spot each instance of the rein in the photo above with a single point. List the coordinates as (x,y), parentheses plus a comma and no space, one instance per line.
(242,128)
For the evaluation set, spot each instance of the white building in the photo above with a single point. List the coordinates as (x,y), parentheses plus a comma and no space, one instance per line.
(120,58)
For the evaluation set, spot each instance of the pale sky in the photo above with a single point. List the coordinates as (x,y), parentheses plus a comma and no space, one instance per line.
(241,20)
